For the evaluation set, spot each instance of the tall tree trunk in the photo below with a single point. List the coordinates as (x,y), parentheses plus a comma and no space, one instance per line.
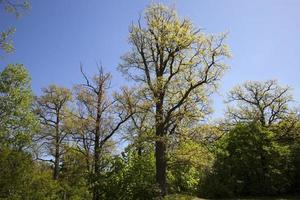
(56,156)
(56,162)
(97,152)
(160,149)
(96,192)
(161,166)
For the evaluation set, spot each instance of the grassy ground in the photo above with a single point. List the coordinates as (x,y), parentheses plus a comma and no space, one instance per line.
(180,197)
(185,197)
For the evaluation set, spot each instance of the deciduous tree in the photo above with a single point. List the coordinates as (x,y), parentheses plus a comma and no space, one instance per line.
(105,116)
(177,65)
(17,121)
(52,109)
(266,102)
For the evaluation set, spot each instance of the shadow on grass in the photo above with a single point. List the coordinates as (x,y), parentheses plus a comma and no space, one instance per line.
(186,197)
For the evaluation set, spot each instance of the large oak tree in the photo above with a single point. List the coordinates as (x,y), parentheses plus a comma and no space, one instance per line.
(176,65)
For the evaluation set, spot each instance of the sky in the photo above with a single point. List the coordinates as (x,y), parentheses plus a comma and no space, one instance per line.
(55,36)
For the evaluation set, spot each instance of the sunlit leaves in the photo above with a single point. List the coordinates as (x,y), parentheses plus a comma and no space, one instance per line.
(17,122)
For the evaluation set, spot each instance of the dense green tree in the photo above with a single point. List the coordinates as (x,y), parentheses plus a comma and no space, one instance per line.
(74,176)
(295,149)
(287,132)
(24,179)
(15,173)
(249,162)
(131,176)
(188,161)
(18,123)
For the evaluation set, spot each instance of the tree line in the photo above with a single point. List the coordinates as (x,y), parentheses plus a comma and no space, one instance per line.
(63,144)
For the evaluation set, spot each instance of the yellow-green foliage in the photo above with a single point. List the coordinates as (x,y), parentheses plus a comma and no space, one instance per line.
(187,162)
(18,123)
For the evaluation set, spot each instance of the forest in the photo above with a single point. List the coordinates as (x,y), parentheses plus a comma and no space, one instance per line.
(64,144)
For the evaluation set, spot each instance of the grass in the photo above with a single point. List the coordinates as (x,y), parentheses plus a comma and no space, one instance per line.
(180,197)
(186,197)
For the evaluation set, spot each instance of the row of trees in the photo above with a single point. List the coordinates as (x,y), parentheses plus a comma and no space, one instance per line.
(63,143)
(53,139)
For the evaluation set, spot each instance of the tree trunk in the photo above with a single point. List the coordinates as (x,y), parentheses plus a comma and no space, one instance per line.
(96,192)
(56,156)
(97,153)
(161,166)
(160,149)
(56,162)
(139,151)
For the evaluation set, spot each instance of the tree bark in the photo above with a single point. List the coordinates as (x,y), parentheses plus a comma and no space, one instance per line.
(96,192)
(57,155)
(161,166)
(160,149)
(56,162)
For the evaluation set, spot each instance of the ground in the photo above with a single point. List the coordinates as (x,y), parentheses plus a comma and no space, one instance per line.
(185,197)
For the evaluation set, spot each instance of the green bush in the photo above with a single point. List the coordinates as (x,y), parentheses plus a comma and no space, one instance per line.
(22,179)
(186,164)
(249,163)
(130,176)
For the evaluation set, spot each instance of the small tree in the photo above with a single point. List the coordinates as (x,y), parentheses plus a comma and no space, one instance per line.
(52,109)
(103,117)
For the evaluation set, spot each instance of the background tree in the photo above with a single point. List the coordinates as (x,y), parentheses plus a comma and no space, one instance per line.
(79,124)
(106,115)
(287,132)
(130,176)
(52,108)
(139,130)
(249,163)
(266,102)
(295,149)
(189,160)
(16,173)
(176,64)
(74,175)
(18,123)
(21,177)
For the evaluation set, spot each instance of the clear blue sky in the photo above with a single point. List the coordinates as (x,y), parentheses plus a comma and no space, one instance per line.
(56,35)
